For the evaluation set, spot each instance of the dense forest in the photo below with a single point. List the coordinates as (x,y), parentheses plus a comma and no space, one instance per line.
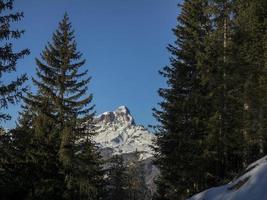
(212,119)
(213,114)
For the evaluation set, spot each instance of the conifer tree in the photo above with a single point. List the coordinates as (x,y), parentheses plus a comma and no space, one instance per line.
(62,98)
(135,185)
(181,133)
(251,38)
(32,164)
(225,140)
(116,181)
(10,92)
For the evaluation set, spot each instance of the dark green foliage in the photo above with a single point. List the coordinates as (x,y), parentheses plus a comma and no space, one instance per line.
(13,171)
(43,154)
(135,185)
(183,109)
(31,163)
(61,87)
(55,156)
(87,173)
(251,38)
(116,179)
(212,115)
(225,140)
(126,179)
(10,91)
(60,78)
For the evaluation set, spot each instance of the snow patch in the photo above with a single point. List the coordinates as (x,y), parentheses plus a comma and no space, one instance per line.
(251,185)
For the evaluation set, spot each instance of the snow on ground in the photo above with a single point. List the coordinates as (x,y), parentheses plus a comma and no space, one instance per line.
(250,185)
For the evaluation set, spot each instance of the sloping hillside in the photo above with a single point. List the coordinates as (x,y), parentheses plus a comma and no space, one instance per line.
(250,185)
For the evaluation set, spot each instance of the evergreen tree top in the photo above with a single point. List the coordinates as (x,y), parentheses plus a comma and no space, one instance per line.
(60,77)
(10,91)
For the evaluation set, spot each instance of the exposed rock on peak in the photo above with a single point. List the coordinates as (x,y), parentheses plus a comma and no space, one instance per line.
(118,132)
(121,116)
(123,109)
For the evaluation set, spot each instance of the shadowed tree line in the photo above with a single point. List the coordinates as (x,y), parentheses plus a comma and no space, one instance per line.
(212,117)
(50,153)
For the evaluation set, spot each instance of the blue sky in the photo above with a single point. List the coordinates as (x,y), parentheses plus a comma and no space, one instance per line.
(123,41)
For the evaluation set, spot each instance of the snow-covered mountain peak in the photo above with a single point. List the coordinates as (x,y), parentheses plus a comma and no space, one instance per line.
(121,117)
(123,109)
(118,133)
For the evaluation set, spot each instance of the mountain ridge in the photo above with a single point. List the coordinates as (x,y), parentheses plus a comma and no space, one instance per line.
(117,131)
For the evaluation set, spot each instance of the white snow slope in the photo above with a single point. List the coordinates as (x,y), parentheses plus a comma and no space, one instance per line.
(251,185)
(117,131)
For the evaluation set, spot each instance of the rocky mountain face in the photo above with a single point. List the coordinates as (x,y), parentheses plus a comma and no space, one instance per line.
(118,134)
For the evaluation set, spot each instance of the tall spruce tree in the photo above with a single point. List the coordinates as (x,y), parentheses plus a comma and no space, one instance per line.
(116,178)
(10,91)
(225,139)
(201,141)
(33,163)
(135,185)
(251,41)
(61,98)
(181,132)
